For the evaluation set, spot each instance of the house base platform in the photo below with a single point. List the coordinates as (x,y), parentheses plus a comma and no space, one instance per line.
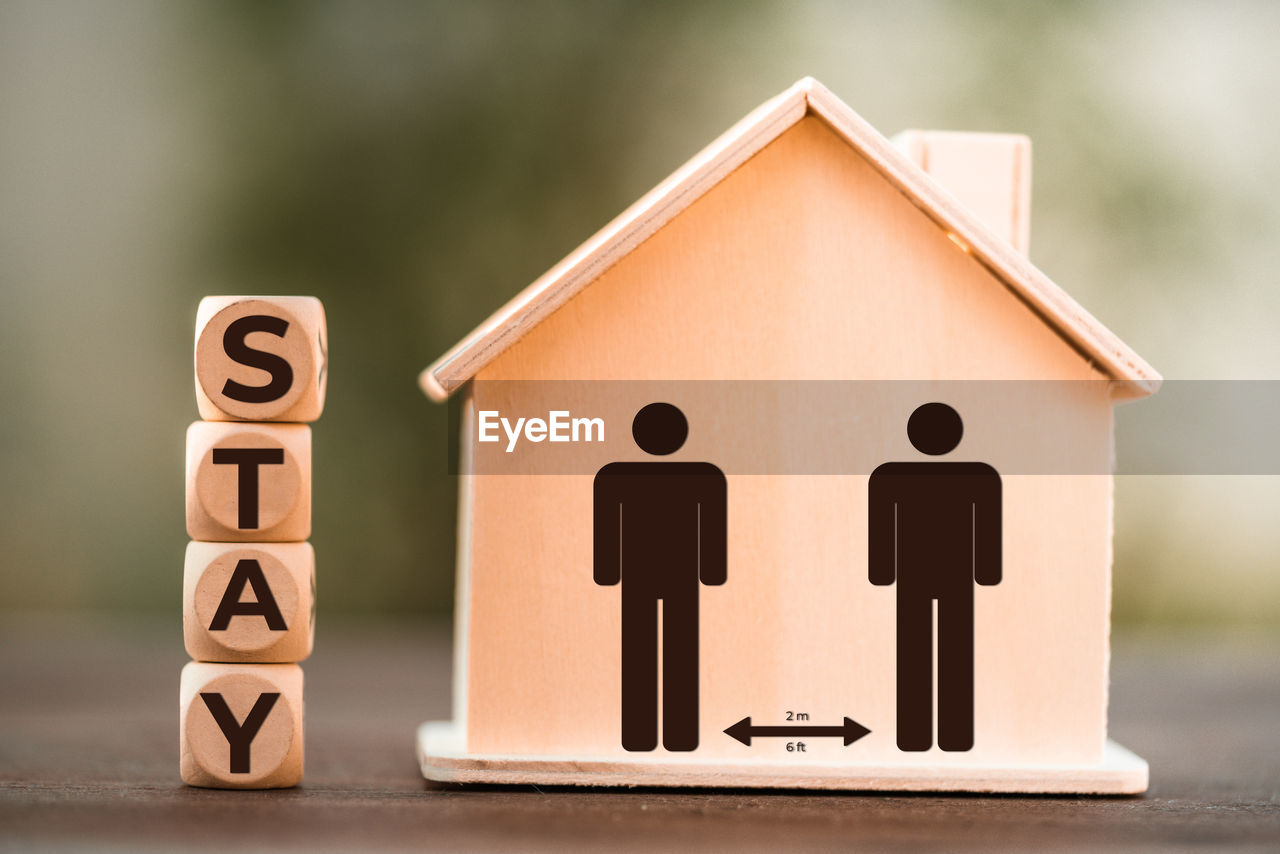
(443,758)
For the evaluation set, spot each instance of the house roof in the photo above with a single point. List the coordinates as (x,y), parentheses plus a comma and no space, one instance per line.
(1093,341)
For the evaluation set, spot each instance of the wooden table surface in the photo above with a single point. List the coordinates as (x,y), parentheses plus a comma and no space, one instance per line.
(89,760)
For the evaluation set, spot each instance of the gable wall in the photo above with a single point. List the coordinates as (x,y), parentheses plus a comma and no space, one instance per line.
(803,264)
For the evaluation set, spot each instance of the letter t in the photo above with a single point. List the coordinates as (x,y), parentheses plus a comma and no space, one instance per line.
(247,461)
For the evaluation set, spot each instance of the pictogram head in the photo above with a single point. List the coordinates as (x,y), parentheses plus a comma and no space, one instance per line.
(660,429)
(935,429)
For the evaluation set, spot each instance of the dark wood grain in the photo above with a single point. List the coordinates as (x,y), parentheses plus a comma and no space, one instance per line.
(88,759)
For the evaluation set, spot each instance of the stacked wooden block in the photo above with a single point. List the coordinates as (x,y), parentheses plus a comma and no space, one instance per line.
(248,601)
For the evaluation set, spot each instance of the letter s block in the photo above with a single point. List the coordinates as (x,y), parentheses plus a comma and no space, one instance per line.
(261,358)
(241,725)
(243,603)
(248,482)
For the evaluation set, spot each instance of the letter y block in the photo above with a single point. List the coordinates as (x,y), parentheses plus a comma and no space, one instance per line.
(241,725)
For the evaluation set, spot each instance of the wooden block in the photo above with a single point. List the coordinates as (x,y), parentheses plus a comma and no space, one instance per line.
(241,725)
(249,603)
(261,358)
(248,482)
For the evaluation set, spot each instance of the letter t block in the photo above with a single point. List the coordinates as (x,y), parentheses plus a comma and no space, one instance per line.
(248,482)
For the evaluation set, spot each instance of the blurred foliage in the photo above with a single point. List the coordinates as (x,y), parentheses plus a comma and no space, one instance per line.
(415,164)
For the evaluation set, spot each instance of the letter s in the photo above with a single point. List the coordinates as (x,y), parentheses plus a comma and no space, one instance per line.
(233,343)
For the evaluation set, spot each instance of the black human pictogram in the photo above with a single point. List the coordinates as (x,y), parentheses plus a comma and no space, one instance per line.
(935,529)
(660,530)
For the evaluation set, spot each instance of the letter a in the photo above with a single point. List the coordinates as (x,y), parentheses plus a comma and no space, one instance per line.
(248,571)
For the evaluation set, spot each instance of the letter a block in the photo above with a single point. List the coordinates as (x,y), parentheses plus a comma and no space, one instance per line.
(241,725)
(248,482)
(261,358)
(249,602)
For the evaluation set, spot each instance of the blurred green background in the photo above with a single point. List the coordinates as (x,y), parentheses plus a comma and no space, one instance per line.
(415,164)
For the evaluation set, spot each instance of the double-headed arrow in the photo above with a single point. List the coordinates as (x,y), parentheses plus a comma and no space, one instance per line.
(850,730)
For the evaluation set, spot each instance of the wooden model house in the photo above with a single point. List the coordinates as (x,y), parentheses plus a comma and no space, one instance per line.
(800,246)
